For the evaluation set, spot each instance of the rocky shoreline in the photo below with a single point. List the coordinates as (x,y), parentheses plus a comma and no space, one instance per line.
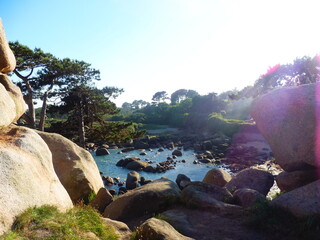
(244,150)
(218,196)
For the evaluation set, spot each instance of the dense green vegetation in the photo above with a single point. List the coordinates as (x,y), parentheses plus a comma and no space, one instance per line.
(217,123)
(108,131)
(189,110)
(46,222)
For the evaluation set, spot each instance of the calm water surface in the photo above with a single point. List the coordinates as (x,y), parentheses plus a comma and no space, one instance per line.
(107,164)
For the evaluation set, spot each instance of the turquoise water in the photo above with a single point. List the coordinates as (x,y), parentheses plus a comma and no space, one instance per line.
(196,172)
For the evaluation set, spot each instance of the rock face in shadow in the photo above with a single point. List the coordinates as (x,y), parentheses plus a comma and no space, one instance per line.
(247,197)
(182,180)
(205,196)
(289,118)
(101,200)
(148,199)
(27,175)
(155,228)
(288,181)
(101,151)
(205,225)
(255,179)
(303,201)
(75,167)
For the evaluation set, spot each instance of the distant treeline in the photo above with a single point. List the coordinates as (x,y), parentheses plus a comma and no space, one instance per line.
(194,113)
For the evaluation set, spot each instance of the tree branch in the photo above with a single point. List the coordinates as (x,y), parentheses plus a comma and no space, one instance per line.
(19,75)
(30,73)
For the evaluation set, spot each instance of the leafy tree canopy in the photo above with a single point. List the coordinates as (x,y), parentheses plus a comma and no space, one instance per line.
(41,76)
(304,70)
(86,105)
(181,94)
(160,96)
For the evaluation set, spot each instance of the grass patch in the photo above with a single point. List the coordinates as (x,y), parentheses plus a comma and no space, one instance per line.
(91,196)
(278,223)
(229,127)
(46,222)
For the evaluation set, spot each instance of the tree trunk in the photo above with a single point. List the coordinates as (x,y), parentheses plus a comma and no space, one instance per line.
(81,130)
(43,111)
(28,99)
(32,114)
(44,108)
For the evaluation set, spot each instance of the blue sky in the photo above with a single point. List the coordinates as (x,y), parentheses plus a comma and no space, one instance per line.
(145,46)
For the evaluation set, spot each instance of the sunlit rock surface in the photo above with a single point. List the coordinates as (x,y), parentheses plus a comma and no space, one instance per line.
(27,176)
(75,167)
(7,59)
(12,105)
(148,199)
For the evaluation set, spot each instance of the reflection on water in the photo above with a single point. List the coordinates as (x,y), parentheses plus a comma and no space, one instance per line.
(196,172)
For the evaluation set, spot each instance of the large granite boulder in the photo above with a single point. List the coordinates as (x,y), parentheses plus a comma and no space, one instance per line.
(158,229)
(255,179)
(303,201)
(205,196)
(27,175)
(288,181)
(7,59)
(288,118)
(12,105)
(247,197)
(217,176)
(75,167)
(147,199)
